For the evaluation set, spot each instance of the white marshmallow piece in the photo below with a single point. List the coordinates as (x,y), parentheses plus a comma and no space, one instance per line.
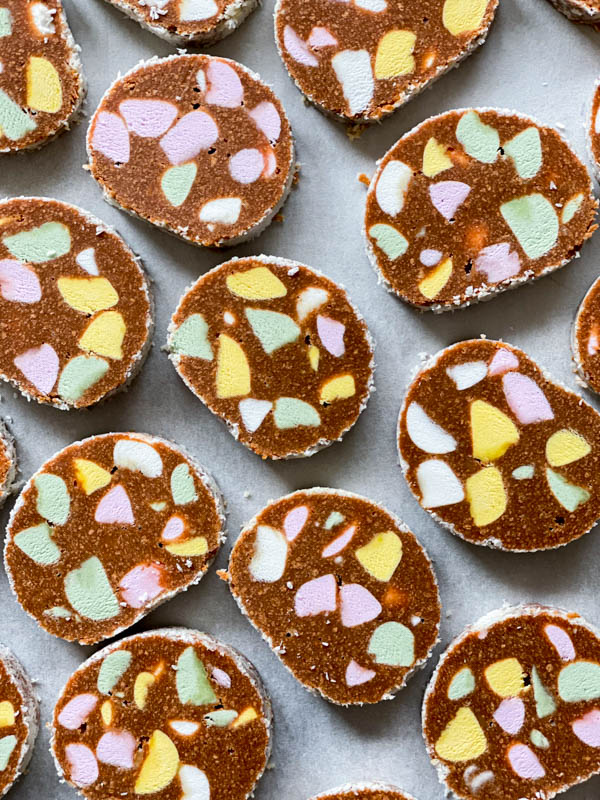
(376,6)
(309,300)
(197,10)
(87,261)
(225,210)
(138,457)
(43,18)
(184,727)
(438,484)
(194,783)
(270,555)
(467,375)
(392,187)
(354,72)
(253,412)
(427,434)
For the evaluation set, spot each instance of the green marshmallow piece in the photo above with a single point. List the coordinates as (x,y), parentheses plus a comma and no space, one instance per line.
(192,681)
(182,485)
(79,374)
(191,338)
(51,240)
(579,681)
(526,152)
(53,502)
(523,473)
(176,183)
(335,518)
(544,702)
(539,740)
(273,329)
(37,543)
(479,140)
(533,220)
(112,669)
(463,684)
(389,240)
(571,208)
(393,644)
(89,592)
(293,413)
(5,22)
(567,494)
(7,745)
(59,611)
(14,122)
(221,718)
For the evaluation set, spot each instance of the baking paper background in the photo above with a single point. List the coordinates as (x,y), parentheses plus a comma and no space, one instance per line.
(535,61)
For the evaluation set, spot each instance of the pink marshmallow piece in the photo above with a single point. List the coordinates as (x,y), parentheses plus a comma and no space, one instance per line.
(510,715)
(294,521)
(247,165)
(267,119)
(357,675)
(316,597)
(148,118)
(525,762)
(221,677)
(83,764)
(40,366)
(331,334)
(18,283)
(77,710)
(115,508)
(321,37)
(173,529)
(225,86)
(141,585)
(503,361)
(498,263)
(447,196)
(111,137)
(587,729)
(193,133)
(298,49)
(525,398)
(358,605)
(561,641)
(337,545)
(116,748)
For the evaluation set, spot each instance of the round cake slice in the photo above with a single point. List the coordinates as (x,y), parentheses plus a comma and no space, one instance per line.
(194,144)
(512,710)
(497,452)
(186,22)
(341,590)
(108,529)
(8,463)
(364,791)
(19,719)
(75,306)
(473,202)
(41,83)
(586,11)
(360,60)
(585,339)
(171,713)
(277,351)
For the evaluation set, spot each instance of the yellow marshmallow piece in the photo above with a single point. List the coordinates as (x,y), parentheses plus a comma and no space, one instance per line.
(432,284)
(247,715)
(462,739)
(486,496)
(435,158)
(141,687)
(88,294)
(565,446)
(90,476)
(381,555)
(7,714)
(505,677)
(160,765)
(104,335)
(492,432)
(44,89)
(395,54)
(313,357)
(106,712)
(196,546)
(233,371)
(338,389)
(258,283)
(463,16)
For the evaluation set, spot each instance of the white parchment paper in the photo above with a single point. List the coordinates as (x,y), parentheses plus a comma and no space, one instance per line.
(535,61)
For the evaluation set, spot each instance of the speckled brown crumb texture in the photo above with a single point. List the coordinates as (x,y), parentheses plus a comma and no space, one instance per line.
(586,338)
(75,309)
(195,144)
(512,712)
(6,466)
(594,129)
(343,593)
(188,678)
(586,11)
(362,59)
(41,86)
(106,530)
(18,720)
(474,202)
(497,452)
(364,794)
(277,351)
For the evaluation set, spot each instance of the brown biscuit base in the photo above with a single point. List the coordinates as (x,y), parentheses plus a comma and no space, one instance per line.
(586,11)
(186,22)
(75,306)
(277,351)
(364,791)
(585,339)
(194,144)
(19,719)
(170,713)
(497,452)
(107,530)
(593,138)
(360,60)
(341,590)
(41,84)
(512,712)
(473,202)
(8,463)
